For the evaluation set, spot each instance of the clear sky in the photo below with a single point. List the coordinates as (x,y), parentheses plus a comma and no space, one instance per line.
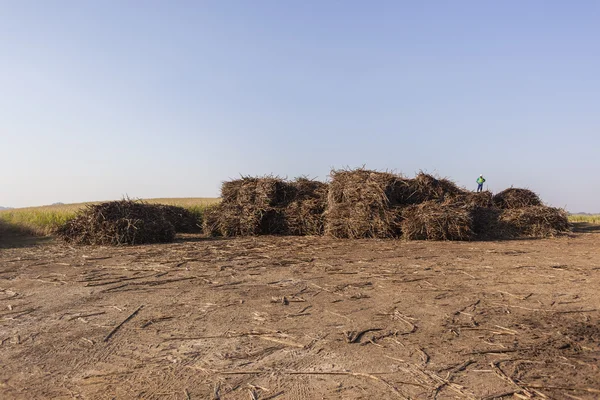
(100,99)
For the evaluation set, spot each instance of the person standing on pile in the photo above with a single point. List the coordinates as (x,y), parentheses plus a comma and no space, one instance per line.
(480,182)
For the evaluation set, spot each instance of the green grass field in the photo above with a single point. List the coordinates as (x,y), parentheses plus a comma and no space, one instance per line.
(590,219)
(45,220)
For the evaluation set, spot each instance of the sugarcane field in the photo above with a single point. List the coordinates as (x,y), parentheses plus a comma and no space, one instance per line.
(368,285)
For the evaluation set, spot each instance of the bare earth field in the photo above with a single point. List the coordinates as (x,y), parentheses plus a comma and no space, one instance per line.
(302,318)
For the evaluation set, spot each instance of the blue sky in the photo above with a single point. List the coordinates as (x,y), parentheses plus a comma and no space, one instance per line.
(100,99)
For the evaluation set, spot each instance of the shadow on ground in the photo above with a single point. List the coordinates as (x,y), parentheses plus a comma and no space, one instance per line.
(13,236)
(584,227)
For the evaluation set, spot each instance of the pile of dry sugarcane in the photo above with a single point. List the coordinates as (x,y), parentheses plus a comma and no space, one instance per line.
(364,203)
(356,203)
(118,223)
(268,206)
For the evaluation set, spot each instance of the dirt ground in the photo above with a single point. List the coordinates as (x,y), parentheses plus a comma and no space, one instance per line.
(302,318)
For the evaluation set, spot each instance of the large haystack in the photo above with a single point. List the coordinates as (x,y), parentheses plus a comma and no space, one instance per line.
(537,221)
(362,204)
(437,221)
(118,223)
(259,206)
(512,198)
(305,214)
(365,203)
(184,221)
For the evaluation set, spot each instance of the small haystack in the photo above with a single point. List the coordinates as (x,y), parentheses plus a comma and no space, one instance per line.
(513,198)
(537,221)
(362,204)
(184,221)
(305,214)
(118,223)
(437,221)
